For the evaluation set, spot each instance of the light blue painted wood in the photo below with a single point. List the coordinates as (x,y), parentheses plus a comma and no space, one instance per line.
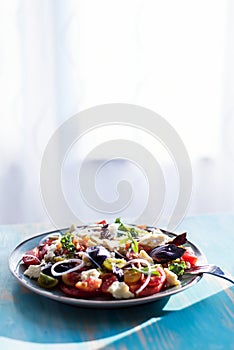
(201,316)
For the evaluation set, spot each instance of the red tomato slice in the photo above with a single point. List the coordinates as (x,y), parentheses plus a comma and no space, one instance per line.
(103,222)
(71,278)
(190,257)
(42,249)
(89,285)
(154,286)
(156,280)
(32,257)
(107,280)
(74,292)
(31,260)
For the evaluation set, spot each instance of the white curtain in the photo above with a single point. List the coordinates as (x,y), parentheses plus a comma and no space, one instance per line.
(60,57)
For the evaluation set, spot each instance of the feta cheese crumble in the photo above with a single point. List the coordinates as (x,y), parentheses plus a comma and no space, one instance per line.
(120,290)
(50,251)
(90,273)
(154,239)
(113,228)
(144,255)
(172,278)
(33,271)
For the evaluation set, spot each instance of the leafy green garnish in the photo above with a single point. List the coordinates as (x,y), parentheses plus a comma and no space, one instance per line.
(134,246)
(124,228)
(145,270)
(117,221)
(134,243)
(133,232)
(124,240)
(177,268)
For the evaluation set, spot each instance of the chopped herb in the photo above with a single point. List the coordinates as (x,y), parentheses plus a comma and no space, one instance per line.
(177,268)
(67,243)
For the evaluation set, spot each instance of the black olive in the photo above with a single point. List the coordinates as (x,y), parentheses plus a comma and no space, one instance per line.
(46,269)
(63,267)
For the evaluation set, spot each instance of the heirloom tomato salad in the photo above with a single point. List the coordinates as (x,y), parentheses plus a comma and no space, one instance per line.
(109,261)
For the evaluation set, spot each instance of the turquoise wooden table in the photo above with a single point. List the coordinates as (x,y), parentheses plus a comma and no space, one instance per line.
(201,316)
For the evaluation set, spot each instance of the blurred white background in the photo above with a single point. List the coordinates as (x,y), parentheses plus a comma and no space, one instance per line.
(60,57)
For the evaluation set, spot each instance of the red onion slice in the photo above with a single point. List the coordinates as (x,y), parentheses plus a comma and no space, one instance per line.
(54,273)
(143,262)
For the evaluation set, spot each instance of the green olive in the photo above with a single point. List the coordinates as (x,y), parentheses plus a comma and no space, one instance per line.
(110,262)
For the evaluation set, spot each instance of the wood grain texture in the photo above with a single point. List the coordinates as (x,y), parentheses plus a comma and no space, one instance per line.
(202,316)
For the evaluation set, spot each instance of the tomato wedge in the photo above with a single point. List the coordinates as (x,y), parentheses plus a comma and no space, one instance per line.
(190,257)
(103,222)
(107,280)
(32,257)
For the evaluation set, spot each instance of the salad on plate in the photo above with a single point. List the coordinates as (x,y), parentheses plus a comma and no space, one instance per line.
(109,261)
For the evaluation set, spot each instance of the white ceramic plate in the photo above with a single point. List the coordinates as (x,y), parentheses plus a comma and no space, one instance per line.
(55,294)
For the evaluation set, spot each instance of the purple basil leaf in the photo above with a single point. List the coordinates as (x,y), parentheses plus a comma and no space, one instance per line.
(179,240)
(98,254)
(166,253)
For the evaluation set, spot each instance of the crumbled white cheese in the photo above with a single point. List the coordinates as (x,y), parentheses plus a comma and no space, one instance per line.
(33,271)
(113,228)
(92,241)
(85,259)
(120,290)
(50,251)
(90,273)
(87,232)
(154,239)
(172,278)
(110,244)
(144,255)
